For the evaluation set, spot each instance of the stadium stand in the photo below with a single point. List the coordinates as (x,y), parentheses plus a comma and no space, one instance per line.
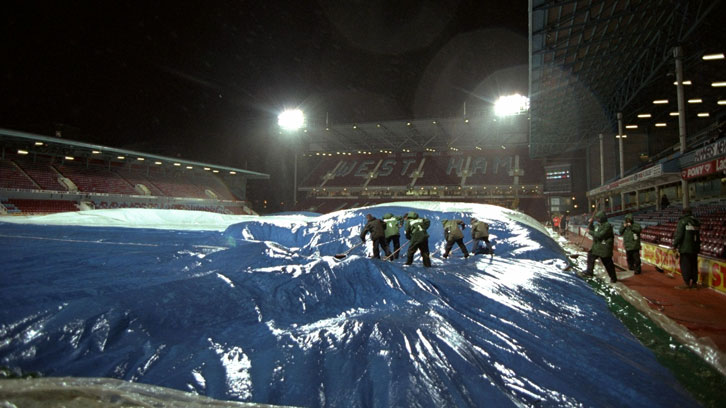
(136,177)
(40,170)
(320,169)
(394,172)
(95,179)
(29,206)
(350,173)
(486,176)
(40,175)
(176,184)
(713,227)
(11,176)
(440,170)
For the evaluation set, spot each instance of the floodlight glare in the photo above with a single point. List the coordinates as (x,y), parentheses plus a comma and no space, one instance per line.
(511,105)
(291,119)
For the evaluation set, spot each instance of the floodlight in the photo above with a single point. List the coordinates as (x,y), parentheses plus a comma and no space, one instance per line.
(291,119)
(511,105)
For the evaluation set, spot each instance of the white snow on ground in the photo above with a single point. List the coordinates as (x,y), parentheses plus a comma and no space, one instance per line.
(149,218)
(208,221)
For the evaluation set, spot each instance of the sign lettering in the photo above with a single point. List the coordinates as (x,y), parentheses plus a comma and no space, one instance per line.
(345,168)
(386,168)
(478,165)
(406,165)
(700,170)
(715,149)
(455,163)
(363,169)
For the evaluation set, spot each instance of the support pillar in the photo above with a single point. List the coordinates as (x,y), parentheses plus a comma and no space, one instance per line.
(602,162)
(678,55)
(294,182)
(657,198)
(637,200)
(621,156)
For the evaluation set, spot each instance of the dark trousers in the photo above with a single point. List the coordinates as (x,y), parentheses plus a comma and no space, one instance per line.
(633,258)
(689,268)
(423,247)
(476,247)
(396,244)
(379,243)
(606,262)
(460,243)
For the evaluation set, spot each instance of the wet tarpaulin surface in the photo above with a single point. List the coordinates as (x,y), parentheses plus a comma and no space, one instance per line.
(261,311)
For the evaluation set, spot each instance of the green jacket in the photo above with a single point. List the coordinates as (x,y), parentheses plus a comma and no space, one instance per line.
(630,234)
(415,228)
(479,230)
(452,231)
(393,224)
(602,237)
(687,239)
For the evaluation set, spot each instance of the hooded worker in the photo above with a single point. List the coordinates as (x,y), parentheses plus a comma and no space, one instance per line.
(416,232)
(602,246)
(630,231)
(480,235)
(393,232)
(687,241)
(454,235)
(376,228)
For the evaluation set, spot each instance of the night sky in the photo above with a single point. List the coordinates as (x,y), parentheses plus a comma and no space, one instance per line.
(205,80)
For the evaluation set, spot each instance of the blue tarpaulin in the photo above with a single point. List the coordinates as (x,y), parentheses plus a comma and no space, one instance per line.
(261,311)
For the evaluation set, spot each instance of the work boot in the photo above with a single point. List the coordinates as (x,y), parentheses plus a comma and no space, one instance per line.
(426,260)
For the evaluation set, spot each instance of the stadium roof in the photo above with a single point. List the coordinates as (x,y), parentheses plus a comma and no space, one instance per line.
(63,147)
(591,59)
